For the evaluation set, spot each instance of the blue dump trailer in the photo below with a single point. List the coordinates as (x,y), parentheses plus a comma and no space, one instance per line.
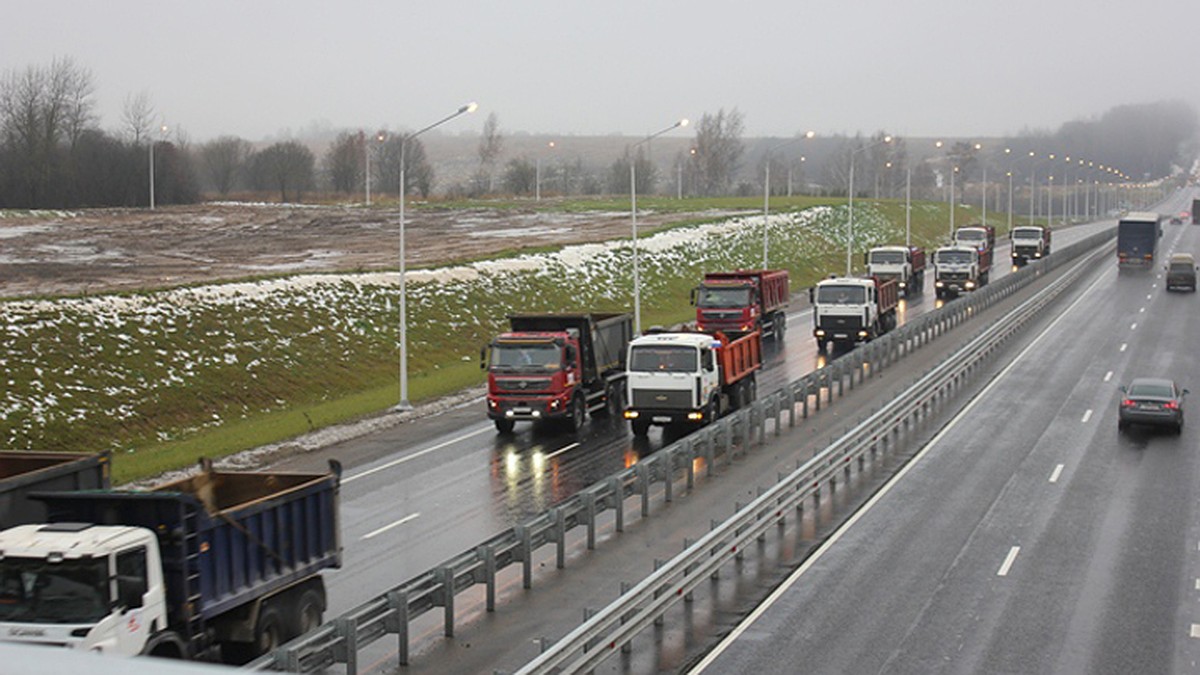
(1137,237)
(221,565)
(25,472)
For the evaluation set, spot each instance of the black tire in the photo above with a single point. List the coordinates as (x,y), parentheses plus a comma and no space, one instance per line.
(269,632)
(578,413)
(504,426)
(310,607)
(611,407)
(780,327)
(641,428)
(712,412)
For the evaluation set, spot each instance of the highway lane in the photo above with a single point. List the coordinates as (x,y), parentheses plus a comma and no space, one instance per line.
(415,495)
(1030,537)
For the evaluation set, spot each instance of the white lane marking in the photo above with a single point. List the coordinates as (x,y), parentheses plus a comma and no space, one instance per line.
(1195,630)
(883,491)
(1057,472)
(1198,584)
(398,523)
(1008,561)
(1149,297)
(560,451)
(1141,310)
(415,455)
(1087,416)
(1134,326)
(1108,376)
(1124,345)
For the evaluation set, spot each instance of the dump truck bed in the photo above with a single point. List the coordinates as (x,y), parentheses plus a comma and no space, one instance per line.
(23,473)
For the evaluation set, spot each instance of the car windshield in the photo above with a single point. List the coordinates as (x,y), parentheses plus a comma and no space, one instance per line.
(33,590)
(536,356)
(887,258)
(954,257)
(834,294)
(1152,390)
(664,358)
(1026,233)
(724,297)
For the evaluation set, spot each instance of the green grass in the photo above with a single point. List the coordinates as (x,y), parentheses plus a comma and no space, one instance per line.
(271,368)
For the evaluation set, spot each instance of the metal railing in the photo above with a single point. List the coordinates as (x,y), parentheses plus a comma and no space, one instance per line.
(615,625)
(339,640)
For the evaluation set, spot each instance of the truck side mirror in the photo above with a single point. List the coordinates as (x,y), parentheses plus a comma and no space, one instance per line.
(1122,388)
(483,358)
(695,295)
(867,258)
(812,292)
(130,591)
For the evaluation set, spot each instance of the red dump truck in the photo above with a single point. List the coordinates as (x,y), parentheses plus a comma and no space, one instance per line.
(690,378)
(744,301)
(557,367)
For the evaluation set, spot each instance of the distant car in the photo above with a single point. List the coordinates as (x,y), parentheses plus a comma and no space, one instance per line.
(1181,272)
(1152,402)
(1176,220)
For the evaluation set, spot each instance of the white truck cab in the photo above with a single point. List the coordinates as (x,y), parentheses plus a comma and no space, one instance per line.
(90,587)
(672,374)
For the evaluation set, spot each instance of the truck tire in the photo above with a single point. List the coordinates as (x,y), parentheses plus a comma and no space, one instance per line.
(166,644)
(641,428)
(613,405)
(713,411)
(578,413)
(308,613)
(780,327)
(504,426)
(269,631)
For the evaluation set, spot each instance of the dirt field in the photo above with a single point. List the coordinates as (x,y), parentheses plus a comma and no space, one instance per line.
(105,250)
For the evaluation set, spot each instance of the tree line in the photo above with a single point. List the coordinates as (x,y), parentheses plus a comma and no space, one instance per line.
(53,154)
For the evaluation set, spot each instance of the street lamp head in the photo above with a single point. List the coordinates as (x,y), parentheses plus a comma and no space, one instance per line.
(887,139)
(1032,153)
(937,144)
(683,122)
(1008,151)
(550,144)
(979,146)
(469,108)
(810,134)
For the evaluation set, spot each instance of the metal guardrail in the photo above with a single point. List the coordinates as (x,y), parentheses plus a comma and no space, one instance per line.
(338,641)
(596,639)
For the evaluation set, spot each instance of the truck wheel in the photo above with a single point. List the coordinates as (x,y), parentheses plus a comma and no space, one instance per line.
(820,346)
(504,426)
(578,413)
(780,327)
(268,634)
(307,617)
(712,412)
(613,405)
(641,428)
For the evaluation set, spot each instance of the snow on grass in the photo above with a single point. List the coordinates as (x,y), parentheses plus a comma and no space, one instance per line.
(113,371)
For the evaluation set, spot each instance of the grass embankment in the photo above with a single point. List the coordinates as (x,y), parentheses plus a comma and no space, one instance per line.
(166,377)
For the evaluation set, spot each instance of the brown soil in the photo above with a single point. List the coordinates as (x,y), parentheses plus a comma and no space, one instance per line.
(105,250)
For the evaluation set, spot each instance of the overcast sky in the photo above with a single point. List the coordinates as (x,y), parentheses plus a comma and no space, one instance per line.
(261,68)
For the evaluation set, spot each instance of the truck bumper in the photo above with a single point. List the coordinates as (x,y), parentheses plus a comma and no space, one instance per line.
(663,417)
(529,409)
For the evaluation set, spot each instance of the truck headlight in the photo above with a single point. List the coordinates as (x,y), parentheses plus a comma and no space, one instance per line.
(819,332)
(970,284)
(631,414)
(938,284)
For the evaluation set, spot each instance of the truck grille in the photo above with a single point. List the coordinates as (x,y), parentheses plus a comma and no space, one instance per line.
(846,323)
(954,276)
(673,399)
(522,385)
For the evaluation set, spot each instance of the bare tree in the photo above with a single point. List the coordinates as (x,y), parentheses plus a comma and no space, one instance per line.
(719,151)
(646,174)
(345,161)
(223,159)
(137,116)
(491,144)
(286,166)
(418,173)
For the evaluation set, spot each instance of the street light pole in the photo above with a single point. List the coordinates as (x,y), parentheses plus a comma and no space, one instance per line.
(767,190)
(637,288)
(850,218)
(404,404)
(908,205)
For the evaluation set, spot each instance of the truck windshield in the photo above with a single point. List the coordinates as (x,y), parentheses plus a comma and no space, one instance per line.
(887,258)
(33,590)
(723,297)
(664,358)
(954,257)
(1026,233)
(834,294)
(971,236)
(526,356)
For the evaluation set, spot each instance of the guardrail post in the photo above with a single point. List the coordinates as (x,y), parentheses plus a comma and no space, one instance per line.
(525,550)
(560,537)
(489,572)
(589,511)
(710,452)
(346,649)
(658,564)
(618,490)
(397,622)
(643,474)
(669,473)
(689,456)
(448,599)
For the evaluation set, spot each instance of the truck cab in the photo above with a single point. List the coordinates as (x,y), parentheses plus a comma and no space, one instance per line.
(92,587)
(979,237)
(1029,242)
(848,310)
(905,264)
(741,302)
(958,269)
(531,376)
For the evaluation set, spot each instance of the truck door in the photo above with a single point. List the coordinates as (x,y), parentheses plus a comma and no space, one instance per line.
(132,587)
